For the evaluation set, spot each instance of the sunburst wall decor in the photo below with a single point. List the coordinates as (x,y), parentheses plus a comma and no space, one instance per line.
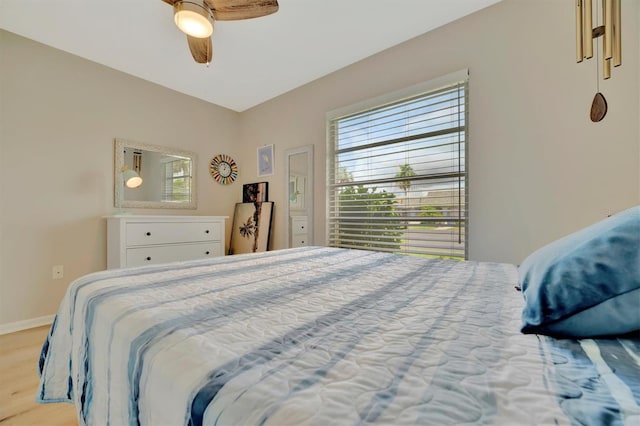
(223,169)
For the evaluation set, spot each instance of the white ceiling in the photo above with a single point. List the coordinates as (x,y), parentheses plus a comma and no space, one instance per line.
(253,60)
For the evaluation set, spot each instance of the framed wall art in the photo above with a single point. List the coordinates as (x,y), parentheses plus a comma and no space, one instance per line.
(255,192)
(251,229)
(265,160)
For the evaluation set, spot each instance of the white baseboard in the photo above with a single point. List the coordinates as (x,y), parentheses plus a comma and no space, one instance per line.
(26,324)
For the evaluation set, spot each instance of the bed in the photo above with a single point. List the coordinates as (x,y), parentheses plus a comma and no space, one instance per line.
(321,336)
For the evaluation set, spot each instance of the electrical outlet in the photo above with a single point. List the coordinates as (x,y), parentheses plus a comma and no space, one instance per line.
(57,272)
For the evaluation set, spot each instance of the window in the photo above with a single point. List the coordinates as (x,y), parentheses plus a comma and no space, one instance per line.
(397,172)
(176,179)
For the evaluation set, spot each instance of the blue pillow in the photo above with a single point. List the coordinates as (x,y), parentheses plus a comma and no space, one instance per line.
(586,284)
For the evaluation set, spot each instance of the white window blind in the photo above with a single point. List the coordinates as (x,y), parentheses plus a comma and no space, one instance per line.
(397,175)
(176,179)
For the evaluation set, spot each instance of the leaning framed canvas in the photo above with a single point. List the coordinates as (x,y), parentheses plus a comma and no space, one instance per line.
(255,192)
(265,160)
(251,229)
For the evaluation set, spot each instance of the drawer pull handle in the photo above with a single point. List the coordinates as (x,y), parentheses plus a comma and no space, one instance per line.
(206,232)
(148,257)
(206,252)
(302,227)
(148,234)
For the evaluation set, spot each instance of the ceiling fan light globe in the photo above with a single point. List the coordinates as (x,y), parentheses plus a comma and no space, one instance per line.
(193,19)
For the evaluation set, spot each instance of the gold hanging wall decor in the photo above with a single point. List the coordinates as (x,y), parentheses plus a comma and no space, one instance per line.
(610,32)
(137,161)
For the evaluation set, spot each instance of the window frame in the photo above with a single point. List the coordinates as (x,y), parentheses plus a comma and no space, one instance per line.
(425,88)
(169,181)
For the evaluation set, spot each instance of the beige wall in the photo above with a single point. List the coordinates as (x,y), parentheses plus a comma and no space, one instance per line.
(59,115)
(538,167)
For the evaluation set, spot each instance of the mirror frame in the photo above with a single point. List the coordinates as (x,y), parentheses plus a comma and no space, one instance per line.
(307,149)
(120,144)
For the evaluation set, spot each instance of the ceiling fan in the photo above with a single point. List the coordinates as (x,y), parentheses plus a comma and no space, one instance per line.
(195,18)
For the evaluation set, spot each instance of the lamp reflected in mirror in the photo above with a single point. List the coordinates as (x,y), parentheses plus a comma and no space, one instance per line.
(130,178)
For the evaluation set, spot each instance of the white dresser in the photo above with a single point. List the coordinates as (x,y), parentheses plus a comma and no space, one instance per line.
(135,240)
(299,232)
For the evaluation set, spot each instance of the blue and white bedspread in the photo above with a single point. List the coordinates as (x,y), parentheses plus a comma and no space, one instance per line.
(324,336)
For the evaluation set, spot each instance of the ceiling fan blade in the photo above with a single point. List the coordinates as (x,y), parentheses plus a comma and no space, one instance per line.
(233,10)
(201,49)
(171,2)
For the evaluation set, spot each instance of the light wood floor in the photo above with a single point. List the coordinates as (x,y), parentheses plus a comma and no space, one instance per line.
(19,353)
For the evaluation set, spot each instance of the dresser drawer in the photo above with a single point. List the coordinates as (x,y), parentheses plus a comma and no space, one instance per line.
(299,225)
(142,234)
(177,252)
(299,240)
(134,240)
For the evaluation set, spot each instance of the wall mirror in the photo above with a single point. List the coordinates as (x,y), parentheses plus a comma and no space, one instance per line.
(299,193)
(162,177)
